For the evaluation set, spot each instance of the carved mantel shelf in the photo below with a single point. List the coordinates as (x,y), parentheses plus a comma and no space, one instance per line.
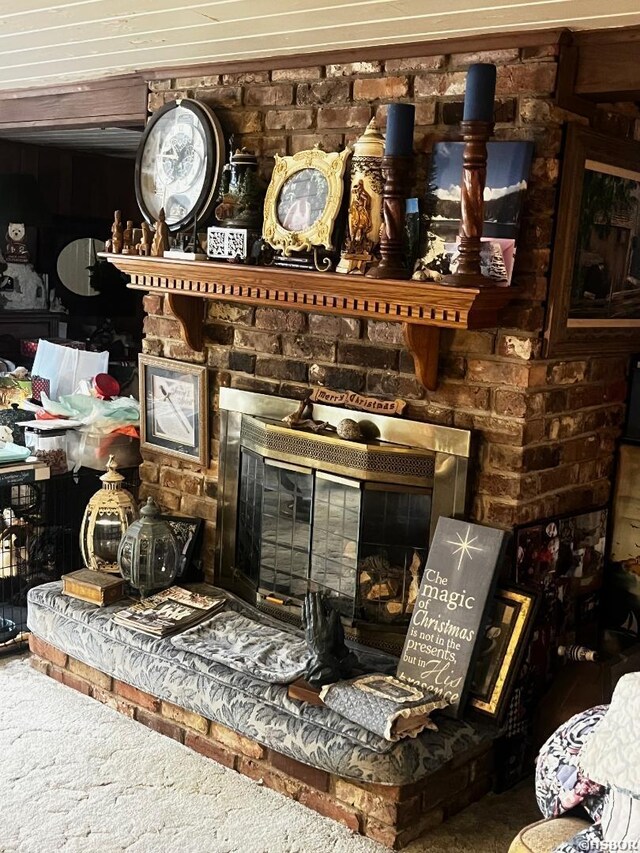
(423,307)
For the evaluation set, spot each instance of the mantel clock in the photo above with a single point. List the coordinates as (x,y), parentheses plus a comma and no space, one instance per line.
(179,163)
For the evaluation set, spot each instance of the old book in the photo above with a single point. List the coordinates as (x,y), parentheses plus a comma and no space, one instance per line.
(169,611)
(301,691)
(97,587)
(384,705)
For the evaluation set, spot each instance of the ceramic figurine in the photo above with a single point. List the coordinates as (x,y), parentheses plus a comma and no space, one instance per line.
(127,239)
(144,246)
(160,242)
(330,658)
(364,216)
(302,418)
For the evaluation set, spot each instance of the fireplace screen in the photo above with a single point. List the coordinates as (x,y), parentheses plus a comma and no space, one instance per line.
(363,544)
(301,510)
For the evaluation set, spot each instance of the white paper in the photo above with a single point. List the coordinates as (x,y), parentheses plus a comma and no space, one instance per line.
(65,367)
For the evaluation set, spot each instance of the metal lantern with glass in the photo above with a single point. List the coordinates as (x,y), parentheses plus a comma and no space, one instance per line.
(107,516)
(149,555)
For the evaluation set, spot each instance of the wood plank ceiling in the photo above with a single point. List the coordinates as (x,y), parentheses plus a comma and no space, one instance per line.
(42,45)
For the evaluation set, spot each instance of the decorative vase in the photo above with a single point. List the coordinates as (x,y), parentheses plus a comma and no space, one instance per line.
(107,516)
(364,216)
(149,555)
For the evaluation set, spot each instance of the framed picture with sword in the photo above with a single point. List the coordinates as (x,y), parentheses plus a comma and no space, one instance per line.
(173,408)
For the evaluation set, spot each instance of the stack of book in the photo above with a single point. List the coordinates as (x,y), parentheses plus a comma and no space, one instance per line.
(168,612)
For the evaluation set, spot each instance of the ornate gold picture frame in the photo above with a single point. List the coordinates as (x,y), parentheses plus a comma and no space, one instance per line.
(501,650)
(303,200)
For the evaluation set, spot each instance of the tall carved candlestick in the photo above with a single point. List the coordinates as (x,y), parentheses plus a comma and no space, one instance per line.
(476,134)
(396,169)
(397,186)
(477,127)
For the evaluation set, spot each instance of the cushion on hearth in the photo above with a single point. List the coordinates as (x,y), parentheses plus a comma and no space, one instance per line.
(254,708)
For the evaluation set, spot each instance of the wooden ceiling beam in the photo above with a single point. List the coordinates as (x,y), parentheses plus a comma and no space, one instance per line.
(497,41)
(113,102)
(606,66)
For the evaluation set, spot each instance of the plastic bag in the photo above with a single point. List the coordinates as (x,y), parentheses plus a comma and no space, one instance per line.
(66,367)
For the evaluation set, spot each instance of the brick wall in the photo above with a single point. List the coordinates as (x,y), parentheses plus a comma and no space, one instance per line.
(545,428)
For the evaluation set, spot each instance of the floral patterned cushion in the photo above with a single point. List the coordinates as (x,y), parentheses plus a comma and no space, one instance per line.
(261,711)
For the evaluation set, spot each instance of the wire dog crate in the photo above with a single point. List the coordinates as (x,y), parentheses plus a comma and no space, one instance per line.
(40,519)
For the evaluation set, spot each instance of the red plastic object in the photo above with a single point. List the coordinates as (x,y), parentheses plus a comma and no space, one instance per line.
(105,386)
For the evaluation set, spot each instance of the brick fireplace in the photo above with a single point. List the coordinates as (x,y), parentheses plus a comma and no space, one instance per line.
(545,429)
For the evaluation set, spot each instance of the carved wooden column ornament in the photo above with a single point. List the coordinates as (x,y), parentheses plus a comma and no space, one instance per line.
(477,127)
(397,165)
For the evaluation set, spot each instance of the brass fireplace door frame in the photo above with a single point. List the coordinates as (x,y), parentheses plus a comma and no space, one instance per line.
(451,448)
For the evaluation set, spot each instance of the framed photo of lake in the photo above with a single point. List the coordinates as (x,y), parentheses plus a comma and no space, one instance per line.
(173,408)
(594,296)
(508,168)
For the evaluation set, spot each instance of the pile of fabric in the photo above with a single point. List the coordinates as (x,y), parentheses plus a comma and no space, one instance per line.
(593,762)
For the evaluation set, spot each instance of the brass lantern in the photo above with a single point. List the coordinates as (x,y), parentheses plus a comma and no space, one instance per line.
(108,514)
(149,554)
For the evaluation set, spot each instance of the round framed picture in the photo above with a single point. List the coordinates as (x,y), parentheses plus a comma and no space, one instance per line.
(303,200)
(179,164)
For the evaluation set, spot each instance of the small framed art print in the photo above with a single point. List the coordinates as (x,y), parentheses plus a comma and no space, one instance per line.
(173,408)
(501,649)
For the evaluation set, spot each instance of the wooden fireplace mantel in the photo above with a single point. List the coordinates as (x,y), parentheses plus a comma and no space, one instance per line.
(423,307)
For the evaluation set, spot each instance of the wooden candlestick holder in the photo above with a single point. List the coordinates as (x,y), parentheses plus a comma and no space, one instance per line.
(397,186)
(475,134)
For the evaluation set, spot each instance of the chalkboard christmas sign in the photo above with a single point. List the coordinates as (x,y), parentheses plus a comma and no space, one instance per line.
(451,609)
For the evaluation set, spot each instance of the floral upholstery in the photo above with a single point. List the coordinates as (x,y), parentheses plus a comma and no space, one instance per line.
(254,708)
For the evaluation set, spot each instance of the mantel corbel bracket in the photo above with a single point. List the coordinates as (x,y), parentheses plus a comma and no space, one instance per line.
(423,343)
(190,314)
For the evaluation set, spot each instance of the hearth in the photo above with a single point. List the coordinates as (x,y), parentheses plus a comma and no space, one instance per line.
(301,510)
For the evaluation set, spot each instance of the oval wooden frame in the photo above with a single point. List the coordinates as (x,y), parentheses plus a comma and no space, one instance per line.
(332,166)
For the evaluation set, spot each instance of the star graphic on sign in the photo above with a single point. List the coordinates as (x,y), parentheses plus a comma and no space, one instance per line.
(464,547)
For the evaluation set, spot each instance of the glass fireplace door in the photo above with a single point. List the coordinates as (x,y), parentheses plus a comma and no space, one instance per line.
(336,527)
(286,529)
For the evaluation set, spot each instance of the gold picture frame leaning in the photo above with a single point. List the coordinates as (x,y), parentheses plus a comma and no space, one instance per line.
(173,408)
(501,650)
(303,200)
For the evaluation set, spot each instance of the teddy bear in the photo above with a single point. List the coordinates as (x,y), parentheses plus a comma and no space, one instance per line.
(16,246)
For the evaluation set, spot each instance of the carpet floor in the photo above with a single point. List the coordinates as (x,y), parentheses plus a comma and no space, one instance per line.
(77,777)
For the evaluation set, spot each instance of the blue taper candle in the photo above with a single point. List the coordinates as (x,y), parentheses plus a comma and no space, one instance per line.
(480,94)
(399,139)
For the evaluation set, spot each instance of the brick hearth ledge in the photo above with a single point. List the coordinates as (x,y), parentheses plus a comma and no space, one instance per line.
(390,792)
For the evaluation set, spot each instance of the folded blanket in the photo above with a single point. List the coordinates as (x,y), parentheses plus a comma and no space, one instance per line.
(384,705)
(246,645)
